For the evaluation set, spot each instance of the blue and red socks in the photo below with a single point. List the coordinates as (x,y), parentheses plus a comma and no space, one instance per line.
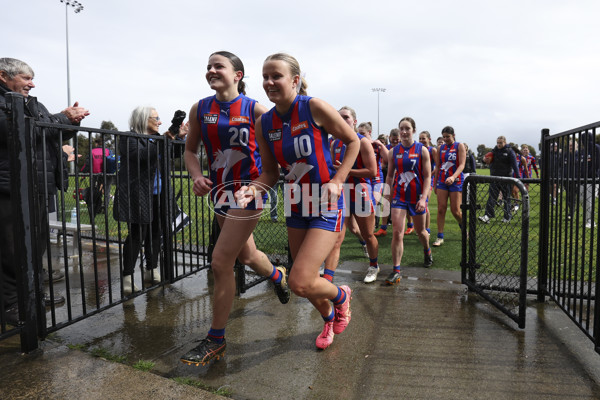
(276,275)
(329,317)
(397,269)
(410,225)
(328,274)
(340,298)
(373,262)
(216,335)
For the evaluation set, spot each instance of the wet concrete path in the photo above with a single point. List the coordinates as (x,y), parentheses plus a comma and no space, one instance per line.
(426,338)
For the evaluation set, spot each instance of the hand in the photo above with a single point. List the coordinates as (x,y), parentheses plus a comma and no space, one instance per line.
(330,192)
(421,205)
(69,150)
(202,185)
(245,195)
(449,180)
(184,130)
(337,165)
(75,113)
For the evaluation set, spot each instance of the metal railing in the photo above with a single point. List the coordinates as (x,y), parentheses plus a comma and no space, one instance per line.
(84,242)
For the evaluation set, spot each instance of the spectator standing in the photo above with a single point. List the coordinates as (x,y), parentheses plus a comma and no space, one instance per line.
(589,158)
(17,76)
(502,163)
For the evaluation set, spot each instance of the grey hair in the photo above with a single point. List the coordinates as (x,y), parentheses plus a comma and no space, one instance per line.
(13,67)
(138,122)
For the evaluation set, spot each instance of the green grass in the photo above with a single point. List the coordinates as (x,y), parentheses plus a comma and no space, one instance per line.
(222,391)
(105,354)
(145,366)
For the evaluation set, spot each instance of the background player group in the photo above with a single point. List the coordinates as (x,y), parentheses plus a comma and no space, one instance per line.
(318,149)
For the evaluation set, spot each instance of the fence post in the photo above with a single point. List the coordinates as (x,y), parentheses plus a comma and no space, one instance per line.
(23,177)
(544,218)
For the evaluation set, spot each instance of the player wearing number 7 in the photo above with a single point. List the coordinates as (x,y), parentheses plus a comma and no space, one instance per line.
(225,125)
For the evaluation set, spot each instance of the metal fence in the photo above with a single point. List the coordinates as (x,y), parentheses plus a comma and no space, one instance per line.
(570,213)
(497,242)
(82,244)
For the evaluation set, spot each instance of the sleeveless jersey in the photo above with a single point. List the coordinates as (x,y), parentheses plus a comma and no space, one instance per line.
(301,148)
(531,163)
(432,160)
(408,181)
(449,161)
(522,168)
(379,177)
(339,151)
(228,137)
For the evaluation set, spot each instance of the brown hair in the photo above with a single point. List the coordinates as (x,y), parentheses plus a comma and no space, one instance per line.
(237,66)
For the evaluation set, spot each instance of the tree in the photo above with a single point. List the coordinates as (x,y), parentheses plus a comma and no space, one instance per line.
(108,125)
(482,150)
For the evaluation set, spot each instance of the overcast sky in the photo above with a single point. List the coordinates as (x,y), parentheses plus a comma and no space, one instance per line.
(487,68)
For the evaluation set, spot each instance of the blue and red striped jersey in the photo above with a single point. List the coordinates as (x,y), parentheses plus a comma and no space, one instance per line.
(449,161)
(229,139)
(408,180)
(299,145)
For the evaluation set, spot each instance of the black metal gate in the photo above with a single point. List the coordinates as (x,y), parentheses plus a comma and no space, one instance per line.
(495,242)
(569,266)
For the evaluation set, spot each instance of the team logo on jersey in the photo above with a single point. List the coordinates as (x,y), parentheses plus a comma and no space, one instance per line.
(338,150)
(211,118)
(242,119)
(399,156)
(298,127)
(225,111)
(274,135)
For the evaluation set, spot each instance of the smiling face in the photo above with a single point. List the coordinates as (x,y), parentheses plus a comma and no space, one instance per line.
(406,132)
(20,83)
(153,123)
(448,138)
(278,82)
(220,73)
(423,138)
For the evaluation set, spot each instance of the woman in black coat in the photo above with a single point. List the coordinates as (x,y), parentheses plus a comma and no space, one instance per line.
(137,195)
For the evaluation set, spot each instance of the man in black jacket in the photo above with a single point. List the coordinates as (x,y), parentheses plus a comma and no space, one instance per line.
(503,163)
(589,170)
(17,76)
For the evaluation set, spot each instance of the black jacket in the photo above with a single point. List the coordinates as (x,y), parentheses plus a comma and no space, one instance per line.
(135,179)
(504,162)
(53,157)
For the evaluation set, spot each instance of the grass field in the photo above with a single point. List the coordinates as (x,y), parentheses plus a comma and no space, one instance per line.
(271,236)
(446,256)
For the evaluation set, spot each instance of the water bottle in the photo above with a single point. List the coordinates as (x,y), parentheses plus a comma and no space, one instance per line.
(74,215)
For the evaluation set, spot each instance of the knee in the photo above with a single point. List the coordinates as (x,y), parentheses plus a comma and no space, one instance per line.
(246,259)
(221,266)
(398,235)
(300,287)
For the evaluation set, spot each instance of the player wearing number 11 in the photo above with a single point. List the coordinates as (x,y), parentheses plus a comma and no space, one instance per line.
(225,125)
